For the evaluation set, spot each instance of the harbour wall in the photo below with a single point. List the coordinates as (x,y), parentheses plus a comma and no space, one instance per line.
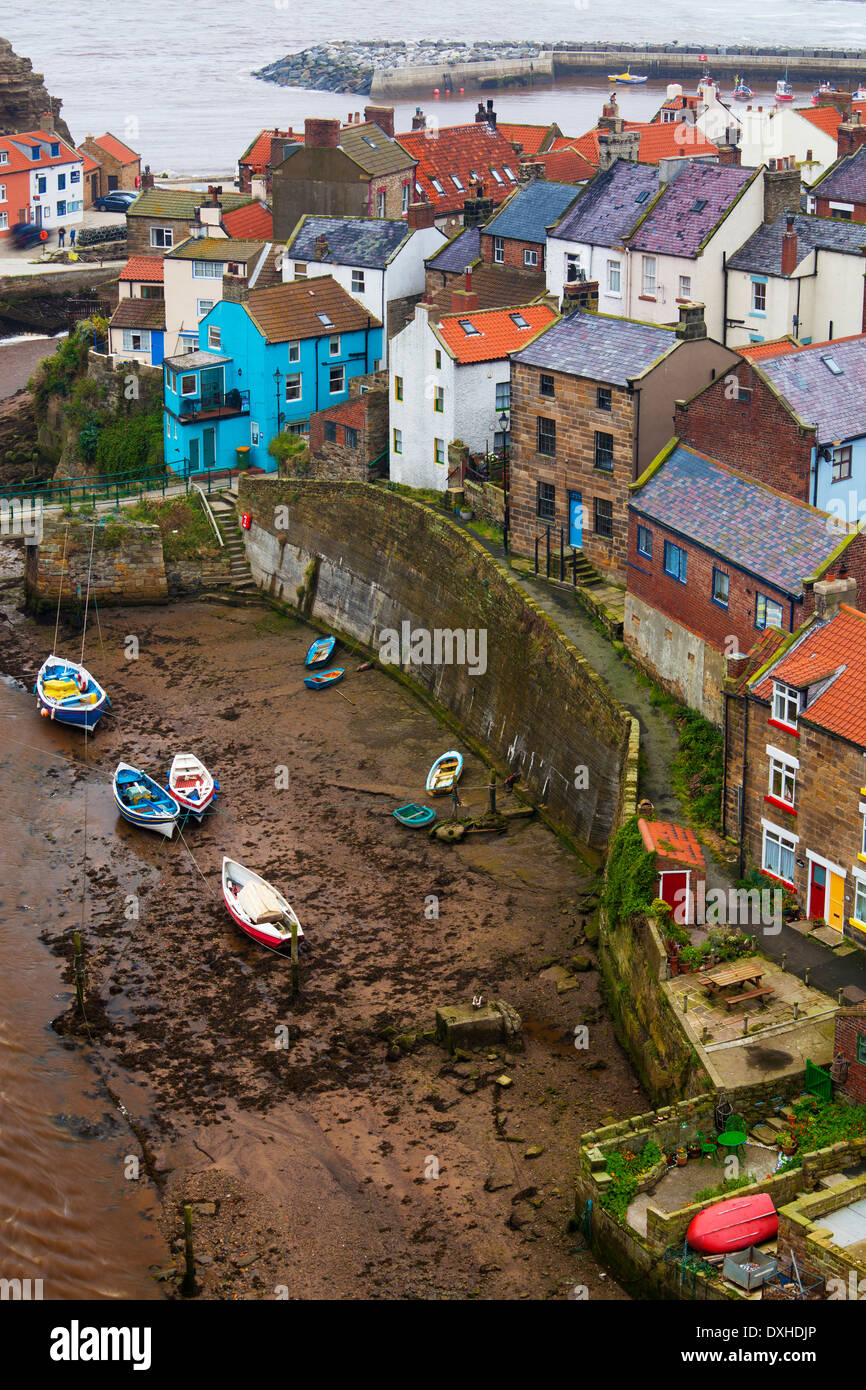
(359,560)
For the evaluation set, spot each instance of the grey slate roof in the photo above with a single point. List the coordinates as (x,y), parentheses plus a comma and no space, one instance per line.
(744,522)
(608,208)
(367,242)
(599,347)
(529,212)
(762,253)
(458,253)
(835,404)
(845,181)
(676,226)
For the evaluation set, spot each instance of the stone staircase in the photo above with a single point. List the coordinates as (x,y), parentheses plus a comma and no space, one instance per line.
(767,1131)
(224,507)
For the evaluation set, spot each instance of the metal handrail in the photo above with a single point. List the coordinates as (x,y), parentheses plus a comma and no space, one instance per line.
(129,482)
(209,513)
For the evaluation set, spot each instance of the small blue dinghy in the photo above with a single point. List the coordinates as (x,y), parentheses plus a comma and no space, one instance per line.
(143,802)
(415,816)
(324,678)
(320,651)
(69,694)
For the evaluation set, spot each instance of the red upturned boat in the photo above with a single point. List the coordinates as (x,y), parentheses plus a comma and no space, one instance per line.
(733,1225)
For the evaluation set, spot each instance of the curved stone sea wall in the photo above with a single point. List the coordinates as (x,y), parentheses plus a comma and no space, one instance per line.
(365,562)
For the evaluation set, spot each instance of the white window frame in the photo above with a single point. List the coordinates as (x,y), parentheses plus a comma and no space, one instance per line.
(167,234)
(294,386)
(786,841)
(2,193)
(614,270)
(405,198)
(498,250)
(189,376)
(785,768)
(337,391)
(295,350)
(334,346)
(214,337)
(783,697)
(859,887)
(380,203)
(129,339)
(207,270)
(530,257)
(203,307)
(4,221)
(685,287)
(358,282)
(649,276)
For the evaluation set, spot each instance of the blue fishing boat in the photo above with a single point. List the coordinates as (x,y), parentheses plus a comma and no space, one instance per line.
(69,694)
(415,816)
(322,679)
(320,651)
(445,772)
(143,802)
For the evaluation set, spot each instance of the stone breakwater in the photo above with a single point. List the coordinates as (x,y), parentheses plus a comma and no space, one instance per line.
(350,67)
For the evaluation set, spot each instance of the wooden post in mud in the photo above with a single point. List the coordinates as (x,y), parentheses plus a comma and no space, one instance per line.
(294,958)
(78,966)
(187,1288)
(491,792)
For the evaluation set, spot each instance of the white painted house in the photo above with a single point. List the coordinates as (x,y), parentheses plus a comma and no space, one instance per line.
(194,276)
(379,261)
(136,332)
(450,379)
(41,181)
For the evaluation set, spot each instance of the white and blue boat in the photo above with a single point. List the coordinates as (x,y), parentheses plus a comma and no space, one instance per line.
(69,694)
(143,802)
(320,651)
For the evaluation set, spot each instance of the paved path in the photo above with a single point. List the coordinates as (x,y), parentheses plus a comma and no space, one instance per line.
(19,360)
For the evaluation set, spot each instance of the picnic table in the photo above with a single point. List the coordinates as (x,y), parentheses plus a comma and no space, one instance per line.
(744,977)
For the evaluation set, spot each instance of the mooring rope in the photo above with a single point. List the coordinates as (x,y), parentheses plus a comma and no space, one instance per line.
(60,589)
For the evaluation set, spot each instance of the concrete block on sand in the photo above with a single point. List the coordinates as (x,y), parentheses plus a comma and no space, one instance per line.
(460,1026)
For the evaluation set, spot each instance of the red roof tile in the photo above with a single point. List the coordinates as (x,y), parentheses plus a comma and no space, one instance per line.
(531,137)
(113,146)
(149,268)
(252,222)
(674,842)
(658,140)
(565,166)
(258,156)
(461,150)
(497,333)
(780,347)
(18,160)
(836,645)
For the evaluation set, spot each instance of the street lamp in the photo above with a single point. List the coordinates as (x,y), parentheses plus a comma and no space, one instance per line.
(504,426)
(278,379)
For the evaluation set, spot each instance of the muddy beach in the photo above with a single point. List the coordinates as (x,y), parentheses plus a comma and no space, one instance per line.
(331,1149)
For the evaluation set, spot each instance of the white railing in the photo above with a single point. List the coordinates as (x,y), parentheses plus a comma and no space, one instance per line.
(209,513)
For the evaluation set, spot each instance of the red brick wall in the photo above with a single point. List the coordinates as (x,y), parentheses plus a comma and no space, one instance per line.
(512,252)
(858,214)
(849,1027)
(757,437)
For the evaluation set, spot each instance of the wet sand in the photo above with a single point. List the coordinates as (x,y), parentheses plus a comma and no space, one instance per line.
(314,1165)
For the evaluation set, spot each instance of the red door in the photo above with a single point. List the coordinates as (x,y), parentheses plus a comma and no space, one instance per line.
(674,890)
(817,890)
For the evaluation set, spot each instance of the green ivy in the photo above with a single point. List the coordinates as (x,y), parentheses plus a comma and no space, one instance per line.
(630,884)
(626,1169)
(130,444)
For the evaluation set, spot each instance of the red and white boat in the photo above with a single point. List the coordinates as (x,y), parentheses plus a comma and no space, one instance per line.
(191,785)
(733,1225)
(258,908)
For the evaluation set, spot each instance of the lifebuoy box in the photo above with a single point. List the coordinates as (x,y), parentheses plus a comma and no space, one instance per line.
(246,521)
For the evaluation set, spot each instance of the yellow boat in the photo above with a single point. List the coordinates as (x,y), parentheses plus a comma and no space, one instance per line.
(625,77)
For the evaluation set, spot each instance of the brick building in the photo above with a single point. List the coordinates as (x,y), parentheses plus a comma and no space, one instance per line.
(517,235)
(265,153)
(714,560)
(496,286)
(356,170)
(795,740)
(791,416)
(350,441)
(161,218)
(119,166)
(591,405)
(849,1048)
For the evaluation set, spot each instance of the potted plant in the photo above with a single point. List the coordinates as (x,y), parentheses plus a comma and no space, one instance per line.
(691,957)
(693,1148)
(682,1158)
(789,1144)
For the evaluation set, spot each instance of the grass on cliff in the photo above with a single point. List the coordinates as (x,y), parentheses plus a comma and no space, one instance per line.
(630,883)
(186,532)
(697,770)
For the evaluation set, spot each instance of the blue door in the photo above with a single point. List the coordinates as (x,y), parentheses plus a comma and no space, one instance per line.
(575,520)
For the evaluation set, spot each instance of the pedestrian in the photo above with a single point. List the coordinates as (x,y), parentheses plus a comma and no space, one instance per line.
(72,237)
(61,236)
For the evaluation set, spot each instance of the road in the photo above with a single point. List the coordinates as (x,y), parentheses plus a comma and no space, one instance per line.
(32,262)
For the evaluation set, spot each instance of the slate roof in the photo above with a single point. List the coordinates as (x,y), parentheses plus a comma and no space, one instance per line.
(372,149)
(462,150)
(191,361)
(285,312)
(216,248)
(527,215)
(838,645)
(844,181)
(608,208)
(181,203)
(836,405)
(599,347)
(459,252)
(496,334)
(139,313)
(773,536)
(368,242)
(254,221)
(762,253)
(675,225)
(144,268)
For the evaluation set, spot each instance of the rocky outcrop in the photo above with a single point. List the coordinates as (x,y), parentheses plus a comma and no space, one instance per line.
(23,97)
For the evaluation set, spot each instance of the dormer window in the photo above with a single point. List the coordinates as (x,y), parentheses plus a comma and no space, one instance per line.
(35,151)
(786,704)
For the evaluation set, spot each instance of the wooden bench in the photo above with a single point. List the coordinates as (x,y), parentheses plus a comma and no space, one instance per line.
(752,994)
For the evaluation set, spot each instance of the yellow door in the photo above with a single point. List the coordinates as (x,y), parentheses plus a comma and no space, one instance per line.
(835,900)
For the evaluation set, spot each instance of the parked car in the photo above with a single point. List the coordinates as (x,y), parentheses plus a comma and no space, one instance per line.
(118,201)
(28,234)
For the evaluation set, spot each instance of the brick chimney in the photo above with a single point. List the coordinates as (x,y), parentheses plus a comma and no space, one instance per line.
(463,301)
(382,116)
(580,294)
(321,248)
(830,593)
(419,120)
(781,188)
(528,170)
(477,210)
(321,133)
(426,311)
(146,178)
(850,135)
(488,115)
(610,117)
(235,289)
(420,215)
(617,144)
(692,324)
(789,246)
(730,154)
(843,102)
(46,122)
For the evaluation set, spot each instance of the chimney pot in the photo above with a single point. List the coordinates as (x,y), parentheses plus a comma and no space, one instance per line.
(830,593)
(382,116)
(420,215)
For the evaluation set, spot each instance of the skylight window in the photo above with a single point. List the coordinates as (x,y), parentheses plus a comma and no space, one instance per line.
(699,205)
(510,173)
(518,320)
(468,327)
(437,185)
(473,174)
(456,182)
(496,174)
(368,141)
(832,365)
(325,319)
(642,197)
(418,189)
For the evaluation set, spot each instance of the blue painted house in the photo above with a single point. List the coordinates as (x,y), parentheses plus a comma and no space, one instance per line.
(267,359)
